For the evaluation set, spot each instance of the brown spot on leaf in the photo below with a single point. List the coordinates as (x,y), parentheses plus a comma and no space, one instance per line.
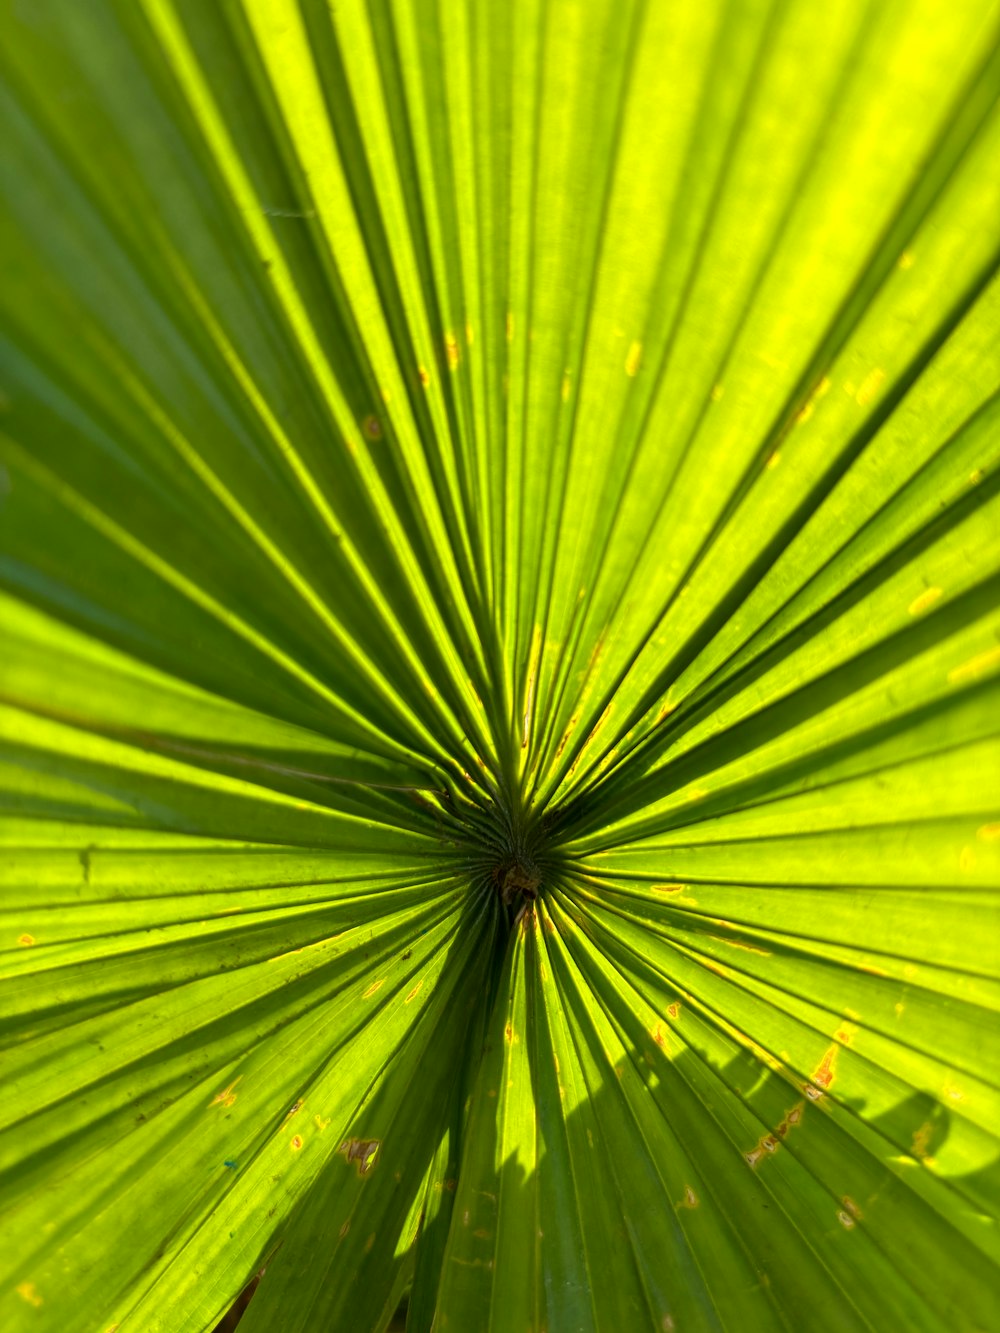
(766,1144)
(296,1143)
(25,941)
(362,1151)
(792,1118)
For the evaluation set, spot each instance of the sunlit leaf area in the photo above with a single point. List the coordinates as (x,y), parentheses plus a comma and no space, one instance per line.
(500,666)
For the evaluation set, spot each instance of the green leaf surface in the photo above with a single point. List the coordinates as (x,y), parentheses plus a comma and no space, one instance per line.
(500,665)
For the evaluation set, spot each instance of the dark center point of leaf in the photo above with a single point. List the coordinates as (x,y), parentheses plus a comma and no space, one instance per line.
(517,879)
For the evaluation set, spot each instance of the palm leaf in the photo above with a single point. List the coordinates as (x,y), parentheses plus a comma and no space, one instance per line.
(499,570)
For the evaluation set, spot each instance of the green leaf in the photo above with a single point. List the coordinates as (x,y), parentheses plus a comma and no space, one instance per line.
(500,665)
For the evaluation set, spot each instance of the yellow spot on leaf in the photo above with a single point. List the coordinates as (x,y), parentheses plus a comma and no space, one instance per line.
(227,1096)
(423,376)
(717,392)
(905,260)
(634,359)
(975,667)
(296,1143)
(988,832)
(375,986)
(320,1123)
(809,407)
(469,335)
(823,1076)
(414,992)
(967,859)
(25,940)
(564,389)
(690,1199)
(720,969)
(773,460)
(28,1292)
(510,1036)
(922,1140)
(509,327)
(925,600)
(740,944)
(451,350)
(869,387)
